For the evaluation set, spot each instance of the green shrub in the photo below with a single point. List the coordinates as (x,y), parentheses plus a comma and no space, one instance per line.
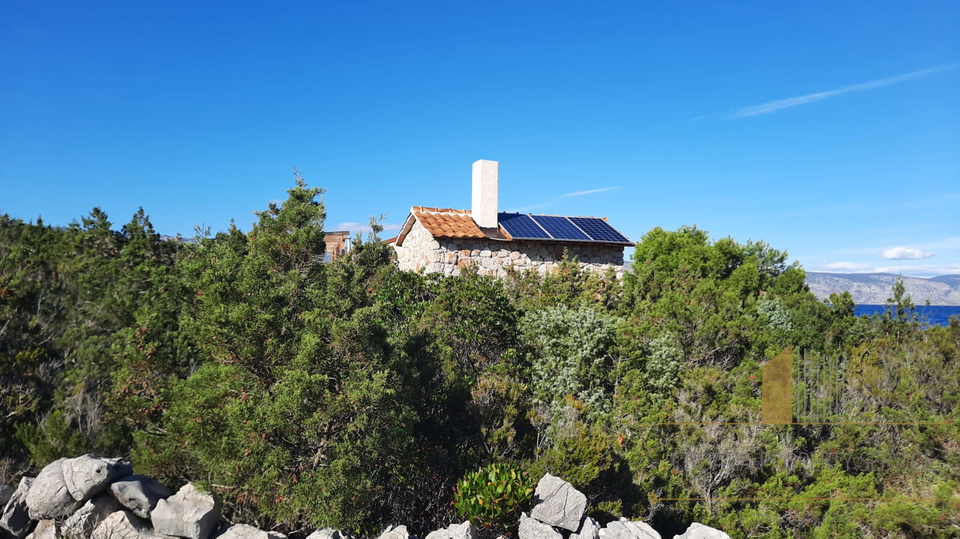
(494,495)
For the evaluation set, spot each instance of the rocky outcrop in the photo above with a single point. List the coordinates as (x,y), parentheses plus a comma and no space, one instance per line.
(560,508)
(95,498)
(65,484)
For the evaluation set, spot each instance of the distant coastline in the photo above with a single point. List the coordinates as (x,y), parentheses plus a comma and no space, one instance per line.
(875,288)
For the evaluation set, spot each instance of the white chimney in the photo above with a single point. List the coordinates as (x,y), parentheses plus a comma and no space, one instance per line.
(485,187)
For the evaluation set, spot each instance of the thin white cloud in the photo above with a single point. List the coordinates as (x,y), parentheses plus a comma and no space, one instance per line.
(905,253)
(922,270)
(528,208)
(781,104)
(364,228)
(846,267)
(353,227)
(589,192)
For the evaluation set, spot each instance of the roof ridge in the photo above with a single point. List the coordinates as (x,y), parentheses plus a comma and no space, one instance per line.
(431,209)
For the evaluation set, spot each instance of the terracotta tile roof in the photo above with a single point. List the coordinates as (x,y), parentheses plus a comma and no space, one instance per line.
(447,222)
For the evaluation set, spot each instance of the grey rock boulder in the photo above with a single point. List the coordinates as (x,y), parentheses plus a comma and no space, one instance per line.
(82,523)
(699,531)
(558,504)
(615,530)
(394,532)
(465,530)
(86,476)
(589,529)
(139,494)
(6,491)
(46,529)
(624,529)
(243,531)
(531,528)
(640,529)
(122,525)
(49,497)
(189,513)
(329,533)
(16,517)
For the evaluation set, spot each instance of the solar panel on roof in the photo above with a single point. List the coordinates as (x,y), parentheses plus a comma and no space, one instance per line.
(521,226)
(560,228)
(598,229)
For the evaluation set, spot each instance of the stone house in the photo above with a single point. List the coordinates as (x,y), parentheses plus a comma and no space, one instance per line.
(445,240)
(338,243)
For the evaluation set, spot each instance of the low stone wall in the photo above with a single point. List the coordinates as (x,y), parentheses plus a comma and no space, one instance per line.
(96,498)
(420,250)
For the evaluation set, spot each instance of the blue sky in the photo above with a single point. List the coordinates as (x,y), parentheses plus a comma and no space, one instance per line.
(828,129)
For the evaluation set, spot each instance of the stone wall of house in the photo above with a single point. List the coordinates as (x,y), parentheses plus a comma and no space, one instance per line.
(448,256)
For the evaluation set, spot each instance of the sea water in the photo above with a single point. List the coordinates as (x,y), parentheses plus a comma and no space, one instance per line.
(933,315)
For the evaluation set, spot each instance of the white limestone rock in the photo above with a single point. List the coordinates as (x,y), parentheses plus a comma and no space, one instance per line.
(16,517)
(531,528)
(49,496)
(394,532)
(624,529)
(699,531)
(189,513)
(243,531)
(329,533)
(122,525)
(86,475)
(82,523)
(466,530)
(139,494)
(46,529)
(641,529)
(558,504)
(589,529)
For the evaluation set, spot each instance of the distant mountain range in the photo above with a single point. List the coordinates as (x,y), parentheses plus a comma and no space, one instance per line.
(875,288)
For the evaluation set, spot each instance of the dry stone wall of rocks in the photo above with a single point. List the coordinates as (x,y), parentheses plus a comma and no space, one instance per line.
(91,497)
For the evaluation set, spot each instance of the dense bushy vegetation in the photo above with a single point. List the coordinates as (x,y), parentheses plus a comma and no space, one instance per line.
(351,394)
